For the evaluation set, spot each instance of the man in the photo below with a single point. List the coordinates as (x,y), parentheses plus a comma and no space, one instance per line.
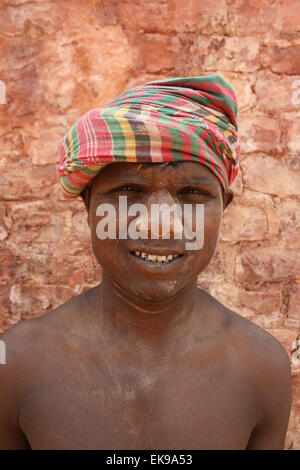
(146,359)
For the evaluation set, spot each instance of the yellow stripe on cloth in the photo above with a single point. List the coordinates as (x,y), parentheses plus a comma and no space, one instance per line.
(130,147)
(71,167)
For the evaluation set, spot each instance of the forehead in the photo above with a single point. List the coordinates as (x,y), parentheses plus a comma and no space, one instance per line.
(162,172)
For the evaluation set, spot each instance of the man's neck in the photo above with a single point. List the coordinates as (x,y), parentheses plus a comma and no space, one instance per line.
(132,320)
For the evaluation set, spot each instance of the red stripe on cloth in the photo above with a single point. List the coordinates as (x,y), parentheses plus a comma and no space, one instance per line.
(104,139)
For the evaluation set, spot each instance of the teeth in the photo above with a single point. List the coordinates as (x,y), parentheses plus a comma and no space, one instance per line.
(155,258)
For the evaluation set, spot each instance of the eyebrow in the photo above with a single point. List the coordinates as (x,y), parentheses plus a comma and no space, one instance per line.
(128,178)
(138,179)
(195,180)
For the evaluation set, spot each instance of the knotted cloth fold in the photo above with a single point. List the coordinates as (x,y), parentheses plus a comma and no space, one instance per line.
(176,119)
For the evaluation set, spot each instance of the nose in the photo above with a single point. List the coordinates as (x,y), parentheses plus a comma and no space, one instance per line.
(163,218)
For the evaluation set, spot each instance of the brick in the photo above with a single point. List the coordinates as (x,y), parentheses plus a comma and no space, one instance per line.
(150,17)
(283,60)
(4,224)
(275,93)
(263,17)
(288,213)
(9,265)
(244,223)
(263,303)
(45,149)
(159,16)
(42,227)
(227,53)
(24,94)
(199,15)
(270,175)
(97,62)
(267,263)
(259,133)
(266,203)
(294,304)
(106,12)
(34,300)
(15,21)
(293,141)
(28,182)
(152,46)
(80,228)
(264,300)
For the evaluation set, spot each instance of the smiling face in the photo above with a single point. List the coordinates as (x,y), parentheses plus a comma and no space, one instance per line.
(155,269)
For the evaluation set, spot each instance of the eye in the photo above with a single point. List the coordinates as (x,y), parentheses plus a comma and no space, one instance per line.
(194,191)
(127,187)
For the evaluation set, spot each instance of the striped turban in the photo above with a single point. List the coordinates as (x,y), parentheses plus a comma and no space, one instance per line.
(177,119)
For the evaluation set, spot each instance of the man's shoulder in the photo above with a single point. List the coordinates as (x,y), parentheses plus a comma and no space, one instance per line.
(260,358)
(27,340)
(264,364)
(256,347)
(260,345)
(34,348)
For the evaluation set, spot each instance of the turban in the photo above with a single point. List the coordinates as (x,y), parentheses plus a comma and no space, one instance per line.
(177,119)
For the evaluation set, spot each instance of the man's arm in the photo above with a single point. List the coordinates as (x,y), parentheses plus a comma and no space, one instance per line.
(11,436)
(274,395)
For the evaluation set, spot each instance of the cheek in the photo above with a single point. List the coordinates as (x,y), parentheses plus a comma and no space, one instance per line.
(209,225)
(199,259)
(108,253)
(212,225)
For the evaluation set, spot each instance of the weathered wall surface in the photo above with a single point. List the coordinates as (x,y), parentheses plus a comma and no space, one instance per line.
(58,59)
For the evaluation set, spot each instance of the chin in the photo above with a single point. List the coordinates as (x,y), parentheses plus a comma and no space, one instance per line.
(155,291)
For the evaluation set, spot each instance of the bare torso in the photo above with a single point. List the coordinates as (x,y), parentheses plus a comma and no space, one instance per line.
(78,388)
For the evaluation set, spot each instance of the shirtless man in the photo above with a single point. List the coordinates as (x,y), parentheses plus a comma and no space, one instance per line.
(146,359)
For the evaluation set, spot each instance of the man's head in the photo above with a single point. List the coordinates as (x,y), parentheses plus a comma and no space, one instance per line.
(168,142)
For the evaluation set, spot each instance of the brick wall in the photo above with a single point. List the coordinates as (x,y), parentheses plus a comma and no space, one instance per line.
(59,59)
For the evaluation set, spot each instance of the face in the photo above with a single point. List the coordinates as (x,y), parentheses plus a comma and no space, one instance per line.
(132,263)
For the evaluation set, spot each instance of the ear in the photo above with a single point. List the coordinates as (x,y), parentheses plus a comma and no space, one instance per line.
(227,198)
(85,195)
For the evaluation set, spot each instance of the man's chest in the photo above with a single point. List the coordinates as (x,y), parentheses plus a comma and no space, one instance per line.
(125,407)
